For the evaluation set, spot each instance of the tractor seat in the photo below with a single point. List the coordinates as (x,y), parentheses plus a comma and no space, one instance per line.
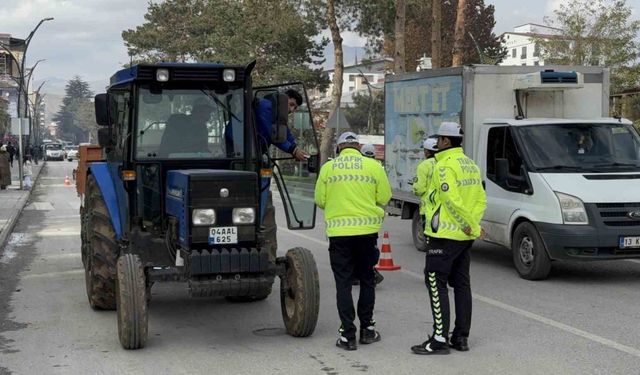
(183,135)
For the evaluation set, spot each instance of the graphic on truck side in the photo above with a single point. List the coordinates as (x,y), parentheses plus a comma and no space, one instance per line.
(416,108)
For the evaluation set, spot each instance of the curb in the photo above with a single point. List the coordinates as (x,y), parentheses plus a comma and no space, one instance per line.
(13,220)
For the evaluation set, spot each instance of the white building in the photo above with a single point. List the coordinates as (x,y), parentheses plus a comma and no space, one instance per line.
(354,81)
(521,46)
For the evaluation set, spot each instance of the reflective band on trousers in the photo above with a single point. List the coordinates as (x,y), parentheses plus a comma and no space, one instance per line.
(354,221)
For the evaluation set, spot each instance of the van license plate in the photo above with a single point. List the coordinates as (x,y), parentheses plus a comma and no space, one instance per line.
(630,242)
(223,235)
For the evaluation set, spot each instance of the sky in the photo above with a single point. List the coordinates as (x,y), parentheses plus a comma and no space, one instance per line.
(85,37)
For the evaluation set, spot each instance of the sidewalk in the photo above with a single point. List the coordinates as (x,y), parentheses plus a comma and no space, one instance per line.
(12,201)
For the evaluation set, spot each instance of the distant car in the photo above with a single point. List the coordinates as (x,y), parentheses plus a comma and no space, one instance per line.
(54,151)
(72,153)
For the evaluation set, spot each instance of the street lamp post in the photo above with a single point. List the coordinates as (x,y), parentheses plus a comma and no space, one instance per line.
(24,58)
(370,115)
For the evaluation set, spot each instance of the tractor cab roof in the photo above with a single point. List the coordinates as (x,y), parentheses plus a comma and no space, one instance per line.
(177,72)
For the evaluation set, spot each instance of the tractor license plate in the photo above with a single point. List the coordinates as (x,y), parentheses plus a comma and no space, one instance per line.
(630,242)
(223,235)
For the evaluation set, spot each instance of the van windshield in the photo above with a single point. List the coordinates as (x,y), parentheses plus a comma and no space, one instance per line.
(581,147)
(53,146)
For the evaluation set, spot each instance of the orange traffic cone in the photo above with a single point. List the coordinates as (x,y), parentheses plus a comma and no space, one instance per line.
(67,182)
(386,262)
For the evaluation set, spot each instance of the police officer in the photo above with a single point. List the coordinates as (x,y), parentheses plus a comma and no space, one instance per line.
(455,207)
(424,172)
(351,188)
(369,150)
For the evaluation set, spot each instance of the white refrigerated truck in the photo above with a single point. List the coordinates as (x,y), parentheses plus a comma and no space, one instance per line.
(562,179)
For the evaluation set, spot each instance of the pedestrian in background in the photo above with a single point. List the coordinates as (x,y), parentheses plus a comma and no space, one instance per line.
(5,168)
(27,172)
(12,152)
(455,207)
(424,172)
(351,188)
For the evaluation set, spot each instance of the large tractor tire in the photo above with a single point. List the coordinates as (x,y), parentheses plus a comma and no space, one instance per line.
(131,296)
(300,292)
(417,231)
(100,249)
(529,254)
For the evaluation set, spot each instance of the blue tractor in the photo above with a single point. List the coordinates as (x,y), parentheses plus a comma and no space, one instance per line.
(182,193)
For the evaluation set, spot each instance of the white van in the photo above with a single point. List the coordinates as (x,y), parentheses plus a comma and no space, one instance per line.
(562,179)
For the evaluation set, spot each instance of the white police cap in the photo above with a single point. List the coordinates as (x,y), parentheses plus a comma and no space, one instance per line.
(430,144)
(368,150)
(348,137)
(449,129)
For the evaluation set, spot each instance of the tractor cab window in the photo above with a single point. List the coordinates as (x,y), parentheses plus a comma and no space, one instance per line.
(197,123)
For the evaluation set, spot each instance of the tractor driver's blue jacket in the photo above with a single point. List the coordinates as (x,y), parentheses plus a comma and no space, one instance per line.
(264,116)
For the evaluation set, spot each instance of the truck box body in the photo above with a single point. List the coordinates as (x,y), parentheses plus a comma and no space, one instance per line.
(416,104)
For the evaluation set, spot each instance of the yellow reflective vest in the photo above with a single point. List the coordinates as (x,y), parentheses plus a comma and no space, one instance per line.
(456,198)
(351,188)
(421,186)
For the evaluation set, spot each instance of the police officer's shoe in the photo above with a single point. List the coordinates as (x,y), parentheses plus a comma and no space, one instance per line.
(369,335)
(431,346)
(459,343)
(346,344)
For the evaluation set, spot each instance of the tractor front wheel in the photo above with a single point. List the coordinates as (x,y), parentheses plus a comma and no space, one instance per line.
(99,249)
(300,292)
(131,296)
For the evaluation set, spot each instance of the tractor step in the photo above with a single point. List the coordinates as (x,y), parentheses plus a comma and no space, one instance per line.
(237,285)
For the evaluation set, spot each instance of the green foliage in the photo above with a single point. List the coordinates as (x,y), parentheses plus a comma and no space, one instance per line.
(272,32)
(76,114)
(358,115)
(375,20)
(597,32)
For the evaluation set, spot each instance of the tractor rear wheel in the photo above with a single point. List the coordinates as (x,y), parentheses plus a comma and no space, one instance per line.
(300,292)
(100,249)
(131,296)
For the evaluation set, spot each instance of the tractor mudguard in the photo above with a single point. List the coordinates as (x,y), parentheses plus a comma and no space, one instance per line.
(105,182)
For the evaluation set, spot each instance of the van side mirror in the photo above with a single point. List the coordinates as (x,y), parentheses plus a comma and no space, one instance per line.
(101,103)
(280,108)
(313,163)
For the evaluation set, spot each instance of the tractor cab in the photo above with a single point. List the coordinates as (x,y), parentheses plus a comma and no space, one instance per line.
(183,192)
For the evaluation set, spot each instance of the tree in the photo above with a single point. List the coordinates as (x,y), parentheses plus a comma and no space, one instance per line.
(459,36)
(595,32)
(275,33)
(436,33)
(71,115)
(375,20)
(358,115)
(400,21)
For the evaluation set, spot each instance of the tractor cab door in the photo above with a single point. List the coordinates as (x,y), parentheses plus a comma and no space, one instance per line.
(295,179)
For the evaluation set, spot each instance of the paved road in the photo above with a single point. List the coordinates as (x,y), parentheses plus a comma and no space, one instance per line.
(583,320)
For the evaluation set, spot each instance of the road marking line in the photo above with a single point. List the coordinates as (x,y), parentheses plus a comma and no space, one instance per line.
(52,274)
(633,260)
(527,314)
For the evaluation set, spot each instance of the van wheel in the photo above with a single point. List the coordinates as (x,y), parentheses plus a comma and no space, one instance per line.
(529,255)
(417,231)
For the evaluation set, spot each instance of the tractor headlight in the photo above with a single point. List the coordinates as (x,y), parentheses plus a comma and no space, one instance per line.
(573,211)
(162,75)
(244,215)
(229,75)
(206,216)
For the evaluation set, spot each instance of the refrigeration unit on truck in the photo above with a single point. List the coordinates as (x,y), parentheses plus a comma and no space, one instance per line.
(562,179)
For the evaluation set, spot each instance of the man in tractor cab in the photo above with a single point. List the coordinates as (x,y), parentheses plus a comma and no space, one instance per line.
(264,115)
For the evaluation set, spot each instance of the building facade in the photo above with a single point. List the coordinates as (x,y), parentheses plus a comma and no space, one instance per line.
(521,46)
(11,52)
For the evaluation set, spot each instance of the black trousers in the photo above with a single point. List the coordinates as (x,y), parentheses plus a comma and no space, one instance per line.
(447,262)
(354,257)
